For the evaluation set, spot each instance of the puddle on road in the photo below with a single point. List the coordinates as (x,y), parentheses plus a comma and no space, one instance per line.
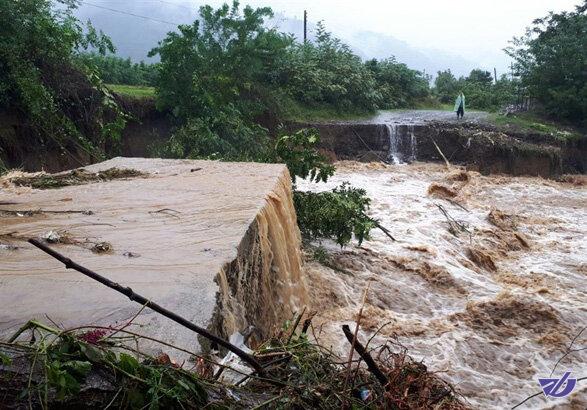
(493,308)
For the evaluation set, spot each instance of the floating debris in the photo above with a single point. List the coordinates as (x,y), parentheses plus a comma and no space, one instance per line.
(75,177)
(51,237)
(131,255)
(8,247)
(102,247)
(58,237)
(441,191)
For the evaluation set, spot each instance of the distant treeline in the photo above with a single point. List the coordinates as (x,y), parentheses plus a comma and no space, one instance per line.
(117,70)
(479,87)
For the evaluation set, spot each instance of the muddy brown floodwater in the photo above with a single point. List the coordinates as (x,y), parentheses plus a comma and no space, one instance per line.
(493,305)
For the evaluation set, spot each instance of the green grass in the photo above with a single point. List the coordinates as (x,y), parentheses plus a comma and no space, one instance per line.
(136,91)
(295,111)
(531,122)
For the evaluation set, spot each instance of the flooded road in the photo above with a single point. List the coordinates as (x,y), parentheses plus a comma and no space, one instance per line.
(421,117)
(486,284)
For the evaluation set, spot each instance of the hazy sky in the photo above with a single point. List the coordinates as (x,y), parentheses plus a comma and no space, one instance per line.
(475,29)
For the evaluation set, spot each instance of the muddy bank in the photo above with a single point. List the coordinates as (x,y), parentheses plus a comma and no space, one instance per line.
(22,148)
(146,127)
(480,148)
(485,283)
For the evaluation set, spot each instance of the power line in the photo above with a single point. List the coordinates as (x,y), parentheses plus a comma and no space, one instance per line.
(130,14)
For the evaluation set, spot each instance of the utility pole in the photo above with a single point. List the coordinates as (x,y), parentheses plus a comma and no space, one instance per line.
(495,74)
(305,26)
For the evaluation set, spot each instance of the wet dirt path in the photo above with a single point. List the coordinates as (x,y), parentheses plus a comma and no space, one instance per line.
(492,305)
(421,117)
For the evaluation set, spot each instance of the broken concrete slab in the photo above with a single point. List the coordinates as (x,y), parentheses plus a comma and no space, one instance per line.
(215,242)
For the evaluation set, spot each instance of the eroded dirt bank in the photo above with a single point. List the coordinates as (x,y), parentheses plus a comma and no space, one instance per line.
(480,147)
(486,284)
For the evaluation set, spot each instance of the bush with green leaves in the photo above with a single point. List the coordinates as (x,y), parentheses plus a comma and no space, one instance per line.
(480,90)
(339,214)
(327,72)
(225,58)
(298,151)
(61,101)
(397,85)
(223,136)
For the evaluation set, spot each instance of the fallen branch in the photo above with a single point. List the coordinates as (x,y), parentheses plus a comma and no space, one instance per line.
(353,339)
(128,292)
(31,212)
(454,226)
(441,154)
(360,349)
(384,229)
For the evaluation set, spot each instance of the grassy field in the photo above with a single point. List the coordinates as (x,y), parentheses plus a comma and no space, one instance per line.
(300,113)
(531,122)
(136,91)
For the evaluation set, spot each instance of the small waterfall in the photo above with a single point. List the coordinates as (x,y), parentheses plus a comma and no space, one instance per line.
(394,141)
(413,144)
(401,149)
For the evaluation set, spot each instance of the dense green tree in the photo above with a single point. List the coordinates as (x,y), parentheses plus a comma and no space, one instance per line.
(446,86)
(327,72)
(551,60)
(223,59)
(398,86)
(479,88)
(480,77)
(216,77)
(39,80)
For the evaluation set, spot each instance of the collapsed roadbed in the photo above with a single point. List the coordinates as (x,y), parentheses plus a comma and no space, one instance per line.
(214,242)
(479,146)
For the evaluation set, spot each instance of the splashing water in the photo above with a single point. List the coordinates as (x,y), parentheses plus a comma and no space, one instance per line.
(398,140)
(492,308)
(413,144)
(394,140)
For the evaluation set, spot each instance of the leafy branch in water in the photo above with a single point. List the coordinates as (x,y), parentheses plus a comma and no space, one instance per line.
(298,151)
(339,214)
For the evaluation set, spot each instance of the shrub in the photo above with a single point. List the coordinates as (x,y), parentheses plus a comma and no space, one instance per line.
(339,214)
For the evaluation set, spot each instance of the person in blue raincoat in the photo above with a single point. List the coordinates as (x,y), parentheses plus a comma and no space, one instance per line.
(460,105)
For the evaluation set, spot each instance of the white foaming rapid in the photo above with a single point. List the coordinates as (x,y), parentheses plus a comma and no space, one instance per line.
(394,134)
(394,140)
(492,308)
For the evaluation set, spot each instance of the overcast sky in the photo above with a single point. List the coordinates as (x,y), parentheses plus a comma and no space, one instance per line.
(475,29)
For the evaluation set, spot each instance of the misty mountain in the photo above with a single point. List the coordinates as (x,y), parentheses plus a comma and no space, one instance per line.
(369,44)
(134,36)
